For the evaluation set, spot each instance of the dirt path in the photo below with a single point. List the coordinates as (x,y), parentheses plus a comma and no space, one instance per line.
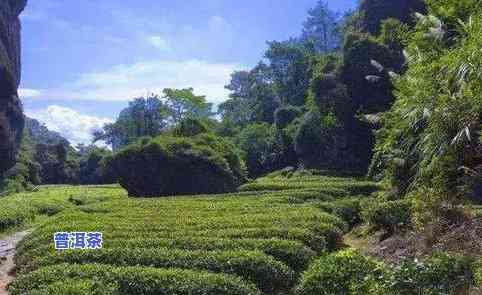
(7,252)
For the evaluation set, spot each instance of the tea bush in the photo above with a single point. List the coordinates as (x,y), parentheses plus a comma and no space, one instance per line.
(440,274)
(260,237)
(344,272)
(128,280)
(387,215)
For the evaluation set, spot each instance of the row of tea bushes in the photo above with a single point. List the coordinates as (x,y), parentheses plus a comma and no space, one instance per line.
(261,238)
(348,272)
(104,280)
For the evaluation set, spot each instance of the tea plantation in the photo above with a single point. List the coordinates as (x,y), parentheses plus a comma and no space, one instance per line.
(277,235)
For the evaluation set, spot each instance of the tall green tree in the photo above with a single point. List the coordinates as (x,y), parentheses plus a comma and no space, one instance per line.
(183,103)
(143,117)
(289,62)
(322,28)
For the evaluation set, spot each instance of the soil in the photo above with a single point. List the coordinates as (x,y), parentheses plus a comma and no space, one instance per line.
(459,238)
(7,264)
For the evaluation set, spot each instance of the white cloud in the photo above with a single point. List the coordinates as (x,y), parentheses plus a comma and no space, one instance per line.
(124,82)
(28,93)
(218,23)
(159,43)
(76,127)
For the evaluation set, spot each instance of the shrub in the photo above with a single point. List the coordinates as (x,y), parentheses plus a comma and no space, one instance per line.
(268,274)
(345,272)
(190,127)
(328,95)
(256,142)
(358,52)
(178,165)
(283,116)
(347,209)
(295,254)
(129,280)
(92,170)
(324,142)
(478,274)
(387,215)
(441,274)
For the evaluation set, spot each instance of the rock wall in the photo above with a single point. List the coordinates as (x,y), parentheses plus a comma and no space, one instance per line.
(11,114)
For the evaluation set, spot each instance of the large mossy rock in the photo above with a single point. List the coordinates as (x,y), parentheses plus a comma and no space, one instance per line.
(11,115)
(167,165)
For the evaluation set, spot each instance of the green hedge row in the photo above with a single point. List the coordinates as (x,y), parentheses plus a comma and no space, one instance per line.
(348,272)
(293,253)
(267,273)
(105,280)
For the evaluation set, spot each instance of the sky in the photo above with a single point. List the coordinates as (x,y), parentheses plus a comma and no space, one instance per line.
(82,61)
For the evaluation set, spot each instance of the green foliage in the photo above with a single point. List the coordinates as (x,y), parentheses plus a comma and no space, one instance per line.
(259,237)
(153,115)
(190,127)
(21,208)
(394,34)
(253,97)
(329,96)
(429,145)
(323,142)
(358,52)
(92,167)
(344,272)
(267,273)
(163,166)
(24,174)
(347,209)
(256,142)
(441,274)
(348,272)
(283,116)
(183,103)
(58,163)
(128,280)
(322,28)
(387,215)
(315,140)
(147,116)
(289,62)
(373,12)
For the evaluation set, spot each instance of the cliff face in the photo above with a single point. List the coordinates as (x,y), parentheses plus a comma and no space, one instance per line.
(11,115)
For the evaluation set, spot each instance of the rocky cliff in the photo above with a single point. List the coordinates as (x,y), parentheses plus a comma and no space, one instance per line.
(11,115)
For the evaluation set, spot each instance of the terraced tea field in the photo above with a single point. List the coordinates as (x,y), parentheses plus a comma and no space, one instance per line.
(257,241)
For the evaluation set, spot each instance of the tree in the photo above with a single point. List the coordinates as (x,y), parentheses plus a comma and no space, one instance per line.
(143,117)
(152,116)
(183,103)
(92,170)
(289,64)
(253,97)
(257,142)
(322,28)
(58,164)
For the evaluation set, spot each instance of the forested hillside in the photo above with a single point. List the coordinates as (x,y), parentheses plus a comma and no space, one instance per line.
(347,161)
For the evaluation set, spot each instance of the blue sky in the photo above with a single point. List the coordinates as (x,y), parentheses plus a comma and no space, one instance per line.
(83,60)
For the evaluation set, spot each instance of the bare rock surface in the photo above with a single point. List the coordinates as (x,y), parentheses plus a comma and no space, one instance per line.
(11,114)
